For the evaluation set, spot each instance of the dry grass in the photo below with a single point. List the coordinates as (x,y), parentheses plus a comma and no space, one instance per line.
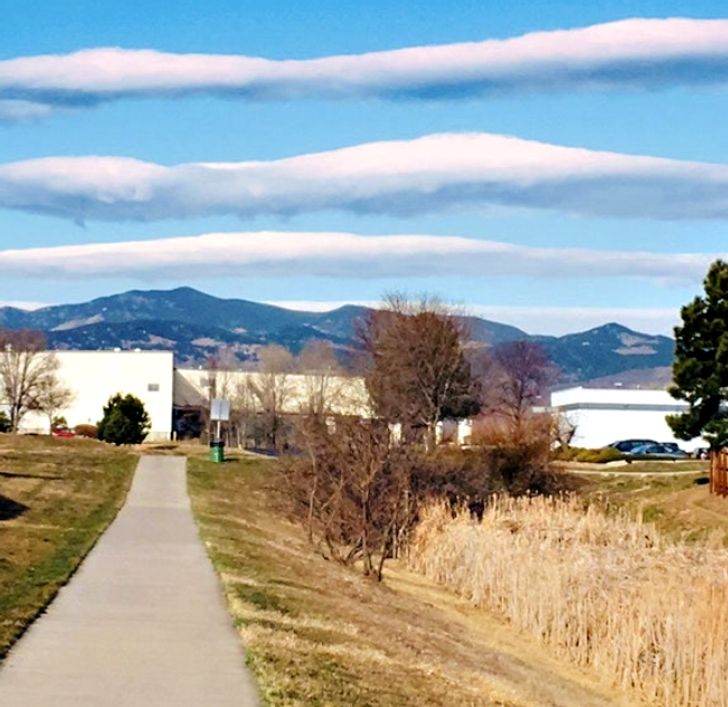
(604,590)
(318,633)
(56,497)
(680,506)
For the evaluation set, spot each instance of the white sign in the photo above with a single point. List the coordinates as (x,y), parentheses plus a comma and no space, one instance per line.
(220,409)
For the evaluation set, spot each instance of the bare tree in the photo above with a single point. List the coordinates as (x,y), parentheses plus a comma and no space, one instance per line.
(352,490)
(243,410)
(418,373)
(322,381)
(52,397)
(220,380)
(515,376)
(273,388)
(26,367)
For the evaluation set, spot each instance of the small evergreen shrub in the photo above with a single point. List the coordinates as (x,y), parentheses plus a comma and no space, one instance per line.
(125,421)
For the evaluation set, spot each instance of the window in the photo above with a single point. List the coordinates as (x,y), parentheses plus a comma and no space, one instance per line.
(153,387)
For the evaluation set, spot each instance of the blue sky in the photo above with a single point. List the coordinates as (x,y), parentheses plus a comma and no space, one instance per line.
(680,120)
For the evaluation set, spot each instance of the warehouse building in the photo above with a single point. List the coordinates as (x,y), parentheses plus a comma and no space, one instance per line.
(601,416)
(94,376)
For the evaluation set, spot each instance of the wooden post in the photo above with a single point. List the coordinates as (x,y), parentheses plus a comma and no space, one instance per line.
(719,472)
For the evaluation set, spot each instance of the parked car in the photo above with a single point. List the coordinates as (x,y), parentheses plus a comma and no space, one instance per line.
(627,445)
(62,432)
(701,453)
(656,450)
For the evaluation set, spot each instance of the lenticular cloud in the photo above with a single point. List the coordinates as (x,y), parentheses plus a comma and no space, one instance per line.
(632,54)
(400,178)
(326,254)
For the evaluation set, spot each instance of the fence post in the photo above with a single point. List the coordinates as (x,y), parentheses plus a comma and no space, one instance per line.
(719,472)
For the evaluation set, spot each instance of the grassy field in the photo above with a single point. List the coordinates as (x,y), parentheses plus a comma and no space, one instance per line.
(319,634)
(678,503)
(56,498)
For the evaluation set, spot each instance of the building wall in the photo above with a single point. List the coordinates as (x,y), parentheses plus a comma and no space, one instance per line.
(606,415)
(347,395)
(94,376)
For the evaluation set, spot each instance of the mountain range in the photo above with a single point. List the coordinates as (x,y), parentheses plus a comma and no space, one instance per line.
(195,325)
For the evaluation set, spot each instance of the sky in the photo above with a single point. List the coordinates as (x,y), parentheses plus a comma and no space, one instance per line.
(552,165)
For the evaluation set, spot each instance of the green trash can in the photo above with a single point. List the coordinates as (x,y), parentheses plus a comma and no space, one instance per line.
(217,453)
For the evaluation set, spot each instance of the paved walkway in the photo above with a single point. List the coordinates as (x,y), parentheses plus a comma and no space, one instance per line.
(142,623)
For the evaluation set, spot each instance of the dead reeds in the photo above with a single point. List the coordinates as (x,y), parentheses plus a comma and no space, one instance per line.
(606,591)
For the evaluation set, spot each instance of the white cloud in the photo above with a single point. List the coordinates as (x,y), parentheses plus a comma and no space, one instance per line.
(431,173)
(23,304)
(341,255)
(633,53)
(15,111)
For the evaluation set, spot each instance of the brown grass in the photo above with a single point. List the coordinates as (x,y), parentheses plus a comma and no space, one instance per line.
(604,590)
(56,498)
(318,633)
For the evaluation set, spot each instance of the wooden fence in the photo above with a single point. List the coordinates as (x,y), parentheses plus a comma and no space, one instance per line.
(719,472)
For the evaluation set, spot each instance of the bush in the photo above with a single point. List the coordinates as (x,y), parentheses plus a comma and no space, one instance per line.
(125,421)
(358,494)
(59,422)
(4,422)
(86,431)
(591,456)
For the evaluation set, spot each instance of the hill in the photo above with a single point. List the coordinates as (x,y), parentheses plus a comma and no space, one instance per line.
(194,325)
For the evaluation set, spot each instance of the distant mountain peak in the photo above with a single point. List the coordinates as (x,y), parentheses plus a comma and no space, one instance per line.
(193,323)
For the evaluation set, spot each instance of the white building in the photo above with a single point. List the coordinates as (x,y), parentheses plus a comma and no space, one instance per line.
(346,395)
(94,376)
(605,415)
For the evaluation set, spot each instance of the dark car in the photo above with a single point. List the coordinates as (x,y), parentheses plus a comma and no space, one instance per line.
(627,445)
(670,452)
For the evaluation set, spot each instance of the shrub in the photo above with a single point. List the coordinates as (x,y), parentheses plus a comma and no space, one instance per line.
(592,456)
(358,494)
(86,431)
(59,422)
(4,422)
(125,421)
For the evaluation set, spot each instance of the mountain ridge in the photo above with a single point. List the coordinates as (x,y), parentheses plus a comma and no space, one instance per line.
(195,325)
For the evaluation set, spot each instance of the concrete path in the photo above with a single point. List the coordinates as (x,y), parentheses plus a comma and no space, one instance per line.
(142,623)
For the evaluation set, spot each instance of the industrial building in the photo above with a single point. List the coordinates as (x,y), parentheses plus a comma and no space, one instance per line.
(601,416)
(95,376)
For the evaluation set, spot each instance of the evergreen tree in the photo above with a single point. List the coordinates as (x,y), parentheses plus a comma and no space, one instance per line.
(125,421)
(700,368)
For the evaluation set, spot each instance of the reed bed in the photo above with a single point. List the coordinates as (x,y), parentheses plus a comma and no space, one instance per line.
(606,591)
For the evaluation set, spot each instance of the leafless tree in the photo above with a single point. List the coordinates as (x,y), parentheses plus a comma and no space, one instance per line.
(220,367)
(26,368)
(243,410)
(273,387)
(352,489)
(515,376)
(322,378)
(417,371)
(52,397)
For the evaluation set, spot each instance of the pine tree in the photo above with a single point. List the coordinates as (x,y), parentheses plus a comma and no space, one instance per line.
(700,368)
(125,421)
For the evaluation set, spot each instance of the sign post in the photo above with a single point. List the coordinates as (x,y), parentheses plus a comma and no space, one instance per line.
(219,412)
